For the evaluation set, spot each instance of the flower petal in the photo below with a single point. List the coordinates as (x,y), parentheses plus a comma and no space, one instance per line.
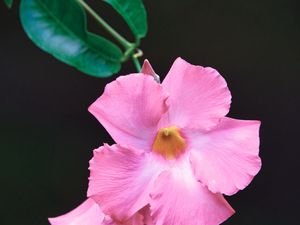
(120,180)
(148,70)
(199,96)
(88,213)
(226,158)
(147,215)
(136,219)
(130,109)
(178,198)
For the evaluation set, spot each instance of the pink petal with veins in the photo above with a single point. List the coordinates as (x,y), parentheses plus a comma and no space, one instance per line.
(198,96)
(88,213)
(130,109)
(178,198)
(226,158)
(120,180)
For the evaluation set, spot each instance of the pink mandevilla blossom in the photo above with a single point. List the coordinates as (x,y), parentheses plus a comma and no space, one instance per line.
(176,151)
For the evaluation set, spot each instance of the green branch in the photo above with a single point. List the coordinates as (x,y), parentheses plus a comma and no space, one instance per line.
(129,47)
(126,44)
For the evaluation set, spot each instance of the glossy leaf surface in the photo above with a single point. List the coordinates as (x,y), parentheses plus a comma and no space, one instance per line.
(59,28)
(134,13)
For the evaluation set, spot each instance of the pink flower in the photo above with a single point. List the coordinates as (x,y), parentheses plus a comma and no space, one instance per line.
(176,151)
(89,213)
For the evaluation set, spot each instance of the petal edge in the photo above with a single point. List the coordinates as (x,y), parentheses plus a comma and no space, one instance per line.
(121,179)
(178,199)
(226,159)
(199,96)
(88,213)
(130,109)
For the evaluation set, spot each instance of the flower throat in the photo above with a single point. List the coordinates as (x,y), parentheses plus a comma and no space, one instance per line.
(169,142)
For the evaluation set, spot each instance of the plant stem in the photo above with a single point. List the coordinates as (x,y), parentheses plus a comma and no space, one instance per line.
(126,44)
(129,47)
(137,64)
(135,58)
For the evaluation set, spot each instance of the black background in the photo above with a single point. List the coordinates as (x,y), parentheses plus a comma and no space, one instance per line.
(47,135)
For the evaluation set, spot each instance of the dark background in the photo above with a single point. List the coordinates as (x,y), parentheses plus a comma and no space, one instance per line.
(47,135)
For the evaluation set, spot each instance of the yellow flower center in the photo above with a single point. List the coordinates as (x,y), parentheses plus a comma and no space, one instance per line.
(169,142)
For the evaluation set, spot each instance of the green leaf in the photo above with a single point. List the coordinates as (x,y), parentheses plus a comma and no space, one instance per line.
(59,28)
(134,13)
(8,3)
